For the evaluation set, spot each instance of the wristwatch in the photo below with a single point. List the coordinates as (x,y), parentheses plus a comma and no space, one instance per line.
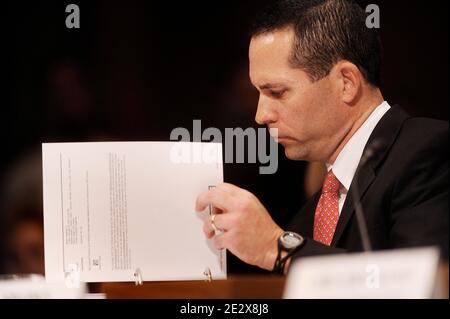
(289,242)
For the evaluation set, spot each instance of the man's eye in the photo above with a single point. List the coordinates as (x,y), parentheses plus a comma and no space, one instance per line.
(276,94)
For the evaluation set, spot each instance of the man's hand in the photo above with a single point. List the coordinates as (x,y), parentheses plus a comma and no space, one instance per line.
(248,230)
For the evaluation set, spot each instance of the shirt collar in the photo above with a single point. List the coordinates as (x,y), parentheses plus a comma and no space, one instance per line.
(346,163)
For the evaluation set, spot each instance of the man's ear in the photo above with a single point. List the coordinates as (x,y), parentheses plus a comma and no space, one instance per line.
(350,79)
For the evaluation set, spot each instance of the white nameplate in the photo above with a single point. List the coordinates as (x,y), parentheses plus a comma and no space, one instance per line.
(36,287)
(400,274)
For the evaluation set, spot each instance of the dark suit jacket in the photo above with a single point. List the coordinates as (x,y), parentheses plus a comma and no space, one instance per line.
(404,191)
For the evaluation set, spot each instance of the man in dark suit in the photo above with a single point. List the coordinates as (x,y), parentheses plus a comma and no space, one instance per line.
(316,65)
(403,189)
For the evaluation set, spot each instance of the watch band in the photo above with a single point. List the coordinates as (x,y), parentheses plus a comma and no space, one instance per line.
(280,262)
(276,267)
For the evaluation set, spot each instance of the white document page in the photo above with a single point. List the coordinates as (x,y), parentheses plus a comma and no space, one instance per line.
(112,208)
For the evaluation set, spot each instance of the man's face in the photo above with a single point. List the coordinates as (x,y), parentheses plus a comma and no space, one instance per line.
(310,117)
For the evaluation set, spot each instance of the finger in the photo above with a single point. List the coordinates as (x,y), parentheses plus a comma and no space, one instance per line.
(225,222)
(216,211)
(222,223)
(237,193)
(221,241)
(230,188)
(215,197)
(207,230)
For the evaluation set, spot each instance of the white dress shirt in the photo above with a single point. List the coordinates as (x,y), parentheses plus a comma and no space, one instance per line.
(346,163)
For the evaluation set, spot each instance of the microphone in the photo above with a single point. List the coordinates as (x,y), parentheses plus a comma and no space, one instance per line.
(371,150)
(368,154)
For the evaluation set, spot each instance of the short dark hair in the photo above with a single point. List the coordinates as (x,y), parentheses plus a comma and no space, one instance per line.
(326,31)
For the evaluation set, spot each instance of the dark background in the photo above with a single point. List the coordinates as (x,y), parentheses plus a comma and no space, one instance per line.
(135,70)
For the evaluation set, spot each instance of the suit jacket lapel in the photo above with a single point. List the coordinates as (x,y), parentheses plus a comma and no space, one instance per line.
(303,222)
(309,222)
(386,131)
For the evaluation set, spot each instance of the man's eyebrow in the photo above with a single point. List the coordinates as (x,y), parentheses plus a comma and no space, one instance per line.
(269,86)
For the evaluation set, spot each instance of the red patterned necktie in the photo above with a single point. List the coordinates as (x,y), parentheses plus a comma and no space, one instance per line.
(327,210)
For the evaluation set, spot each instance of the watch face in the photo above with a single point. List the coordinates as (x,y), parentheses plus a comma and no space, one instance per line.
(291,240)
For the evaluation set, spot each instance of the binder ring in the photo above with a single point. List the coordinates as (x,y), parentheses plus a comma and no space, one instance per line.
(138,277)
(208,275)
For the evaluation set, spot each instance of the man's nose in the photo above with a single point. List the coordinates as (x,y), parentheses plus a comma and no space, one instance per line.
(265,113)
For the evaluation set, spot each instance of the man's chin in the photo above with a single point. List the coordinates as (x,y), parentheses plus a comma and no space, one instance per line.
(293,153)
